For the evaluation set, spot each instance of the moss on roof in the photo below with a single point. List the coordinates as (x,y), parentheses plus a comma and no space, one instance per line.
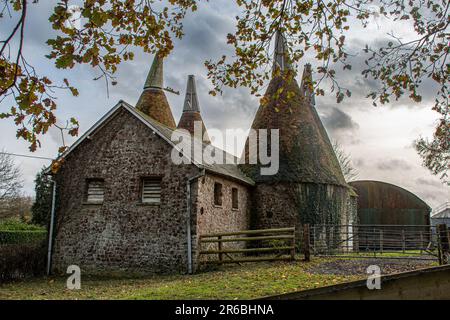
(306,154)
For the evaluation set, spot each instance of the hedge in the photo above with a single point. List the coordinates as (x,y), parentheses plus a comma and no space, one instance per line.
(18,261)
(14,224)
(21,237)
(22,250)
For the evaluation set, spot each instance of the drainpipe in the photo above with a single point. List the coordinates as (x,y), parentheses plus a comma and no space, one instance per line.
(189,218)
(50,232)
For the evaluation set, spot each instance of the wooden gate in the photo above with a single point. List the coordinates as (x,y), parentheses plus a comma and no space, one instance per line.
(248,246)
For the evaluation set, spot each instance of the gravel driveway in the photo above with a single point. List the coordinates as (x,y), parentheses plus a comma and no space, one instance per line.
(359,266)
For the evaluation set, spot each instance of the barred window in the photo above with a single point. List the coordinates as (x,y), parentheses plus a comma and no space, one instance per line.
(151,190)
(234,198)
(218,194)
(95,190)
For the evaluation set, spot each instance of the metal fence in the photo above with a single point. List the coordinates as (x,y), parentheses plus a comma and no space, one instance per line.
(383,241)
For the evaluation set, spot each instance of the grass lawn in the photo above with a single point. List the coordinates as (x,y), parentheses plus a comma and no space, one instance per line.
(227,282)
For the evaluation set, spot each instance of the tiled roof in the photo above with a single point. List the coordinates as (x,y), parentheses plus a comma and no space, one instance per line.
(153,101)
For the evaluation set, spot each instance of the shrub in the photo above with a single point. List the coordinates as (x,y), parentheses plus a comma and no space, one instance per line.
(16,224)
(13,231)
(21,237)
(18,261)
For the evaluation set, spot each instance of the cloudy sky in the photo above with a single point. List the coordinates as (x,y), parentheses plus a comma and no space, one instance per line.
(378,139)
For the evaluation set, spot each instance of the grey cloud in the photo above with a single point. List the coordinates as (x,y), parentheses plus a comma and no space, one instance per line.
(340,125)
(429,182)
(361,86)
(433,196)
(359,162)
(393,164)
(339,120)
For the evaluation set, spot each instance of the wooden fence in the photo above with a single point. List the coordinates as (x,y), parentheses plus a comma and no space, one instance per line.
(281,242)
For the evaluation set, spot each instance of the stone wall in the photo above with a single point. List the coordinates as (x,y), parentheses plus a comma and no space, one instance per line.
(212,218)
(122,233)
(281,205)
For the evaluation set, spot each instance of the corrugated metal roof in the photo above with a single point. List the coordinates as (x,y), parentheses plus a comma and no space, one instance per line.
(441,212)
(378,194)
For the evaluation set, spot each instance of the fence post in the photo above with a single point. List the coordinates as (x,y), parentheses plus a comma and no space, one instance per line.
(306,244)
(421,241)
(314,239)
(381,241)
(403,240)
(356,235)
(219,243)
(293,245)
(443,243)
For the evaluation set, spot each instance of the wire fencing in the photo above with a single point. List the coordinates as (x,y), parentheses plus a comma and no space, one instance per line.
(383,241)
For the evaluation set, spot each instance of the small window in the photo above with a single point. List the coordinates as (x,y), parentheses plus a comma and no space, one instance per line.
(234,198)
(151,190)
(95,190)
(218,194)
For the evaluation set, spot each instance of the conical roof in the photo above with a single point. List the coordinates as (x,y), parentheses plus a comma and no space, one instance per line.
(191,99)
(191,111)
(153,101)
(305,151)
(281,55)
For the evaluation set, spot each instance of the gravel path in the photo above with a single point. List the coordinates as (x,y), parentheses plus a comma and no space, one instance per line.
(359,266)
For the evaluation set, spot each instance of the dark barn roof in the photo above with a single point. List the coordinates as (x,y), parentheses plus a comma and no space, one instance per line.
(381,202)
(377,194)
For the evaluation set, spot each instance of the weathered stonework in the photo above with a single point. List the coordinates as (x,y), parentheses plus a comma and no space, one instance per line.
(281,205)
(309,187)
(211,218)
(122,233)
